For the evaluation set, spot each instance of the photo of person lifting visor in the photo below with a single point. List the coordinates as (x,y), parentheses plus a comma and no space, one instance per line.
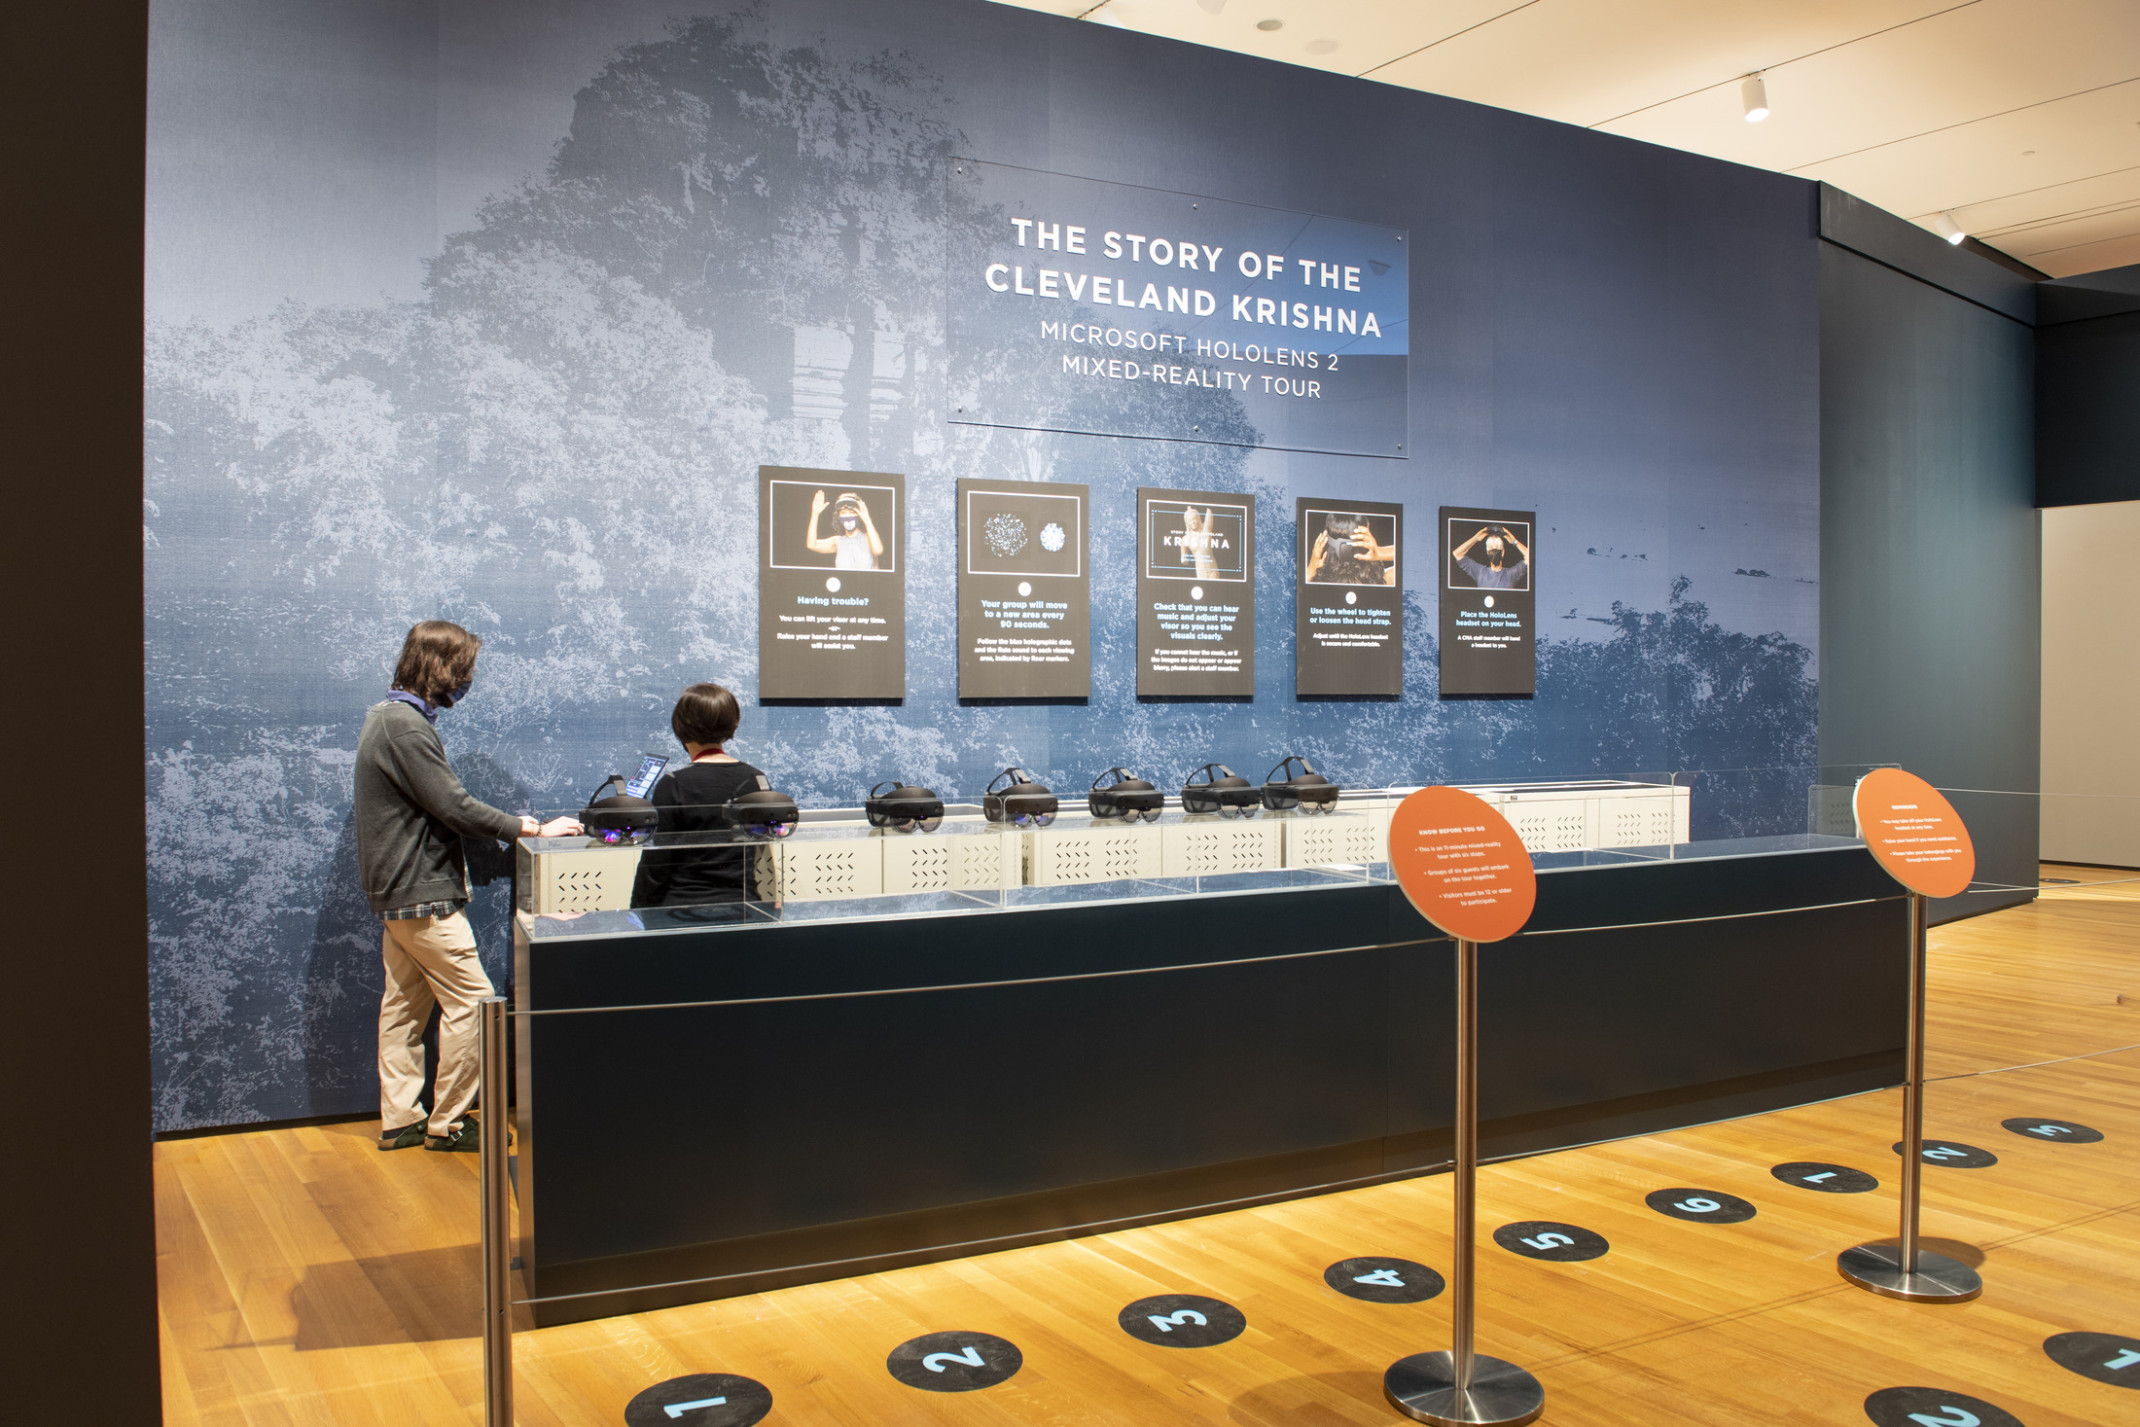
(1507,565)
(854,543)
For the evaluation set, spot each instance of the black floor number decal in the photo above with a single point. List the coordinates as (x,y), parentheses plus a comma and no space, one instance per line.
(707,1399)
(954,1362)
(1379,1280)
(1934,1407)
(1182,1320)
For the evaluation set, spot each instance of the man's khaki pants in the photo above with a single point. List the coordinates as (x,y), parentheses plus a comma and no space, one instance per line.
(429,960)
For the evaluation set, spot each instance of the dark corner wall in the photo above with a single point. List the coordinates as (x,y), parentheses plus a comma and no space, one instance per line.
(2088,388)
(77,1224)
(1930,562)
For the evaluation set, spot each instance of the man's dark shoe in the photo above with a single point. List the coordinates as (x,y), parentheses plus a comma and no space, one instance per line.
(407,1137)
(466,1138)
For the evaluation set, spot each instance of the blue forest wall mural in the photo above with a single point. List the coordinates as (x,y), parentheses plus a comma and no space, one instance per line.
(734,254)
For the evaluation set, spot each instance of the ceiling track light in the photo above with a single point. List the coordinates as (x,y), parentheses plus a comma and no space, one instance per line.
(1754,91)
(1947,228)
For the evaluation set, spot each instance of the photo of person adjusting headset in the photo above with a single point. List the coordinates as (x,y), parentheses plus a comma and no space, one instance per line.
(854,543)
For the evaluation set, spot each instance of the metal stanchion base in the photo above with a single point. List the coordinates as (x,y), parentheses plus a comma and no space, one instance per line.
(1877,1268)
(1423,1388)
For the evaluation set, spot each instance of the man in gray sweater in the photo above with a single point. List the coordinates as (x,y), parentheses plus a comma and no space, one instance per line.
(411,814)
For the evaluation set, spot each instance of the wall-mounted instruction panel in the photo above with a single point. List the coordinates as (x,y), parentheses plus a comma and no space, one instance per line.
(1025,590)
(1489,581)
(1348,598)
(1196,594)
(832,607)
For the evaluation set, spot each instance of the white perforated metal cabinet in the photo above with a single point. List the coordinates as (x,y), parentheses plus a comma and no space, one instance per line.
(1641,816)
(964,855)
(817,865)
(1318,839)
(1208,845)
(1551,822)
(1832,809)
(574,874)
(1082,849)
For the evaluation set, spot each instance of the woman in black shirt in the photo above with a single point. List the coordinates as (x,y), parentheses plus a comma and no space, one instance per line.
(689,801)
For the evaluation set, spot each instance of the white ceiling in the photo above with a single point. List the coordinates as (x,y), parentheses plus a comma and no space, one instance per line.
(2021,117)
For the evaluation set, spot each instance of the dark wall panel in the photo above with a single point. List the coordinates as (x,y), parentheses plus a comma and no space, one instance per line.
(2088,410)
(1930,578)
(77,1217)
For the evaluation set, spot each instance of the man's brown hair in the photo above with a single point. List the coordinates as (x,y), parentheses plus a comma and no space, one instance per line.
(705,714)
(435,659)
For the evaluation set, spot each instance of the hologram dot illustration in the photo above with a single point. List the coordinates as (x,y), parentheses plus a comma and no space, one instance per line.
(1005,534)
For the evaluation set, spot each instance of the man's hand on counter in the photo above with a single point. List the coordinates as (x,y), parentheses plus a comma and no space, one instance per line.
(555,827)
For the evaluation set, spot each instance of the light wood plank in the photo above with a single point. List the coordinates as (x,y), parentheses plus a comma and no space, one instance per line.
(307,1278)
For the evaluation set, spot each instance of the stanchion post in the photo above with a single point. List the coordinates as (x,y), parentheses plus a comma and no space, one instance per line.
(1460,1388)
(1464,870)
(1913,1090)
(497,1241)
(1463,1305)
(1905,1269)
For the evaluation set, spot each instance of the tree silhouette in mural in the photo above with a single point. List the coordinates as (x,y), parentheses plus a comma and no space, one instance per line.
(736,257)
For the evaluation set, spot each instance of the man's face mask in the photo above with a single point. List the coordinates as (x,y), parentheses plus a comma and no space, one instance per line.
(455,694)
(1494,551)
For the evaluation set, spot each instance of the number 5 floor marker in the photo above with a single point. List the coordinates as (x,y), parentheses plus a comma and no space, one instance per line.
(1465,870)
(1918,839)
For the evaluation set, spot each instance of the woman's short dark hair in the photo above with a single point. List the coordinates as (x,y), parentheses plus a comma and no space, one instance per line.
(435,659)
(705,714)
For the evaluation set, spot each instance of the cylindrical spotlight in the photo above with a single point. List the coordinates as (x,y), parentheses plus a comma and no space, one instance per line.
(1754,90)
(1949,229)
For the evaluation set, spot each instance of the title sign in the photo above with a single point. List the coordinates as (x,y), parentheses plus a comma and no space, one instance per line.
(1079,305)
(1025,603)
(832,604)
(1348,598)
(1489,584)
(1196,594)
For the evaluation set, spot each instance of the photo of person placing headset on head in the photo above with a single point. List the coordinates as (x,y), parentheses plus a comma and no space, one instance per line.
(854,543)
(1508,560)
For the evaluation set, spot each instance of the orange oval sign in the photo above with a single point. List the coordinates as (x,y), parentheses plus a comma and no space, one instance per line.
(1914,833)
(1462,865)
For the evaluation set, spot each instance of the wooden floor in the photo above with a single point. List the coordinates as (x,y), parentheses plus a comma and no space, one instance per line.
(307,1278)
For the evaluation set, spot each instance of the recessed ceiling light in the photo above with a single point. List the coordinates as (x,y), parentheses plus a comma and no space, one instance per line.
(1755,93)
(1321,47)
(1270,24)
(1105,15)
(1949,229)
(1211,7)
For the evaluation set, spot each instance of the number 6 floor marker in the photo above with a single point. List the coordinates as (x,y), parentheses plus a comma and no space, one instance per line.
(1466,871)
(1918,840)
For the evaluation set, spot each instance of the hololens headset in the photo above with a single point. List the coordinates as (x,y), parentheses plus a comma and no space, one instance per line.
(1307,790)
(1128,797)
(761,811)
(1222,791)
(1020,801)
(618,817)
(903,807)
